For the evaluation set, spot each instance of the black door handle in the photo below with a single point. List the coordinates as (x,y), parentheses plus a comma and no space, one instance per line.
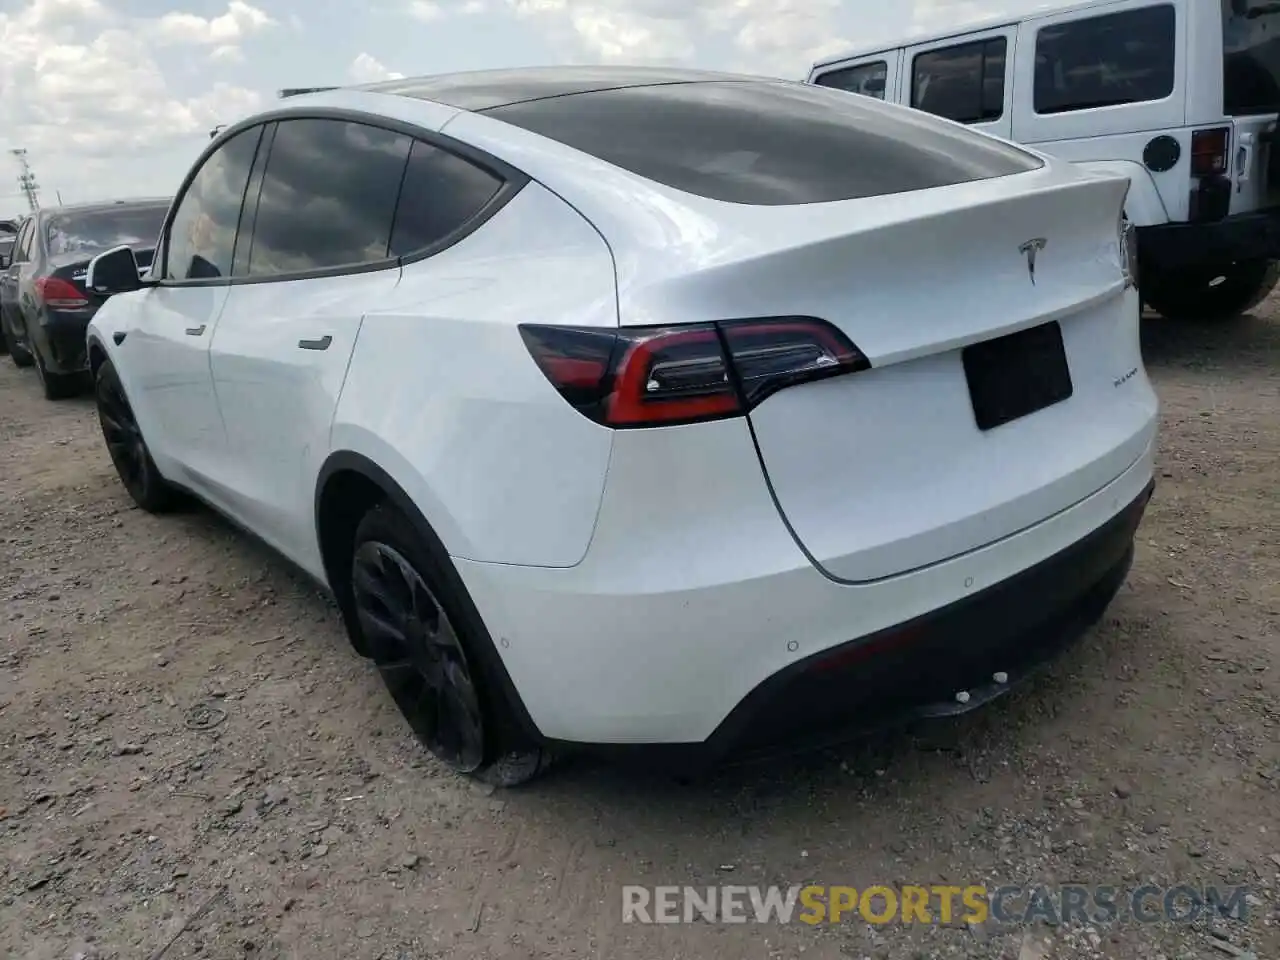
(321,344)
(195,331)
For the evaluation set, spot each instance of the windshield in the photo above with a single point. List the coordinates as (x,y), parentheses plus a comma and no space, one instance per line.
(1251,63)
(98,230)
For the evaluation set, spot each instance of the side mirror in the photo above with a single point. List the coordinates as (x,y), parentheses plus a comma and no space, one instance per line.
(115,271)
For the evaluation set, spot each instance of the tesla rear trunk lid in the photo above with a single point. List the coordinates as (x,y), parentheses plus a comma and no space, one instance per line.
(995,321)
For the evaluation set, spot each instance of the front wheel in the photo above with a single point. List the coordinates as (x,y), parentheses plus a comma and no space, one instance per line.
(1209,293)
(125,444)
(424,645)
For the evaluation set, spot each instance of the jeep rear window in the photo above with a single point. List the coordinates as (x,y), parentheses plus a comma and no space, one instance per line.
(1251,57)
(767,143)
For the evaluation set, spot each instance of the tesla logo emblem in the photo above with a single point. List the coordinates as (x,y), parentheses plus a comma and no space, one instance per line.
(1029,250)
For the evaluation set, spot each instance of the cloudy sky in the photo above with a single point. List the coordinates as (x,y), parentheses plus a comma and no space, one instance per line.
(115,97)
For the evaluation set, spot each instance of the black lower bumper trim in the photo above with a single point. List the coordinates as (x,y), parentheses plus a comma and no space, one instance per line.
(978,647)
(1247,236)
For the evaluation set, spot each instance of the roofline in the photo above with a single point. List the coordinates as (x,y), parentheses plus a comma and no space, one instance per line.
(1034,10)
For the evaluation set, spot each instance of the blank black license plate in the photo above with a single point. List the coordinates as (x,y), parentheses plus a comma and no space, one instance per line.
(1016,375)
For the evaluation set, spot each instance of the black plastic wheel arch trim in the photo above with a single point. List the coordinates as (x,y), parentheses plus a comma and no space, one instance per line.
(490,662)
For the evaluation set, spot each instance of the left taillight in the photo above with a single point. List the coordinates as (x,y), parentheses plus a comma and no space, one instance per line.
(60,294)
(662,376)
(1209,151)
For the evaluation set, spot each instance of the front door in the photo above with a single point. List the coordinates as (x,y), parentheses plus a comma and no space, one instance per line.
(969,80)
(172,393)
(318,261)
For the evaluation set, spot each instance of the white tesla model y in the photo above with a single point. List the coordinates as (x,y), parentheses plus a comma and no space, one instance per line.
(690,414)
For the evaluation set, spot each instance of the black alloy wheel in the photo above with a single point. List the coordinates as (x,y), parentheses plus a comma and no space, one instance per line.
(416,649)
(125,444)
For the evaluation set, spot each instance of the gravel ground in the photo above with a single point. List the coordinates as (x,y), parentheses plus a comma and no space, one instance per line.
(189,749)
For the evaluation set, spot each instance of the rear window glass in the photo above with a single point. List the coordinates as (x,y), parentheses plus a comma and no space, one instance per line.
(1105,61)
(767,143)
(867,79)
(104,229)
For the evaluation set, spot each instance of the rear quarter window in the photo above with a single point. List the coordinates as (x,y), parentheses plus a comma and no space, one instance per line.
(767,143)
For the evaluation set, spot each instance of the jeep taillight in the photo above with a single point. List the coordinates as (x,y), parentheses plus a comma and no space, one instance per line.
(652,376)
(1209,150)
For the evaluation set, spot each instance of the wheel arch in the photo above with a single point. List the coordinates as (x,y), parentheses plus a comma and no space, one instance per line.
(348,486)
(97,355)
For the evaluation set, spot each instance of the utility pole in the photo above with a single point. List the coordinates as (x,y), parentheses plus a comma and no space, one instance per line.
(27,180)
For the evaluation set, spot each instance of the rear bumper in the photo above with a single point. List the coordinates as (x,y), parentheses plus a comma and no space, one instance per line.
(979,648)
(688,644)
(62,335)
(1248,236)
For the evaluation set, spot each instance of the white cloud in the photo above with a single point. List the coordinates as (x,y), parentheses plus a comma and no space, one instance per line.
(425,10)
(240,21)
(766,36)
(93,96)
(366,69)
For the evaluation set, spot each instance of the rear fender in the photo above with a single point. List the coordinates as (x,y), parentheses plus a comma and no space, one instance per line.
(1143,206)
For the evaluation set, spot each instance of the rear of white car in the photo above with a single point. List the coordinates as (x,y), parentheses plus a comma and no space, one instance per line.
(881,433)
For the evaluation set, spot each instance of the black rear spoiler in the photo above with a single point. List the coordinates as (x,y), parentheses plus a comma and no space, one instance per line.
(282,94)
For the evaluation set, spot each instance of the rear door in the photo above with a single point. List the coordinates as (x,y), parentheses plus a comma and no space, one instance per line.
(878,75)
(316,259)
(969,81)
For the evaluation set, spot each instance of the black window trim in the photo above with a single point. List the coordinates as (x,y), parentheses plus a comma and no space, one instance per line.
(512,181)
(970,40)
(1100,14)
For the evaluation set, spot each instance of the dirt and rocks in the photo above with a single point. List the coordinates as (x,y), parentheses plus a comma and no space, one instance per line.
(194,764)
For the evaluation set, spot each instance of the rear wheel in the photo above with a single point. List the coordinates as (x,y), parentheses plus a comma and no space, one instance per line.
(423,645)
(18,352)
(56,386)
(127,447)
(1209,293)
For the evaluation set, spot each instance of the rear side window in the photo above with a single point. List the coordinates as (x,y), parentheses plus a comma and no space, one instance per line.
(1106,61)
(766,143)
(98,230)
(328,197)
(867,79)
(964,83)
(441,192)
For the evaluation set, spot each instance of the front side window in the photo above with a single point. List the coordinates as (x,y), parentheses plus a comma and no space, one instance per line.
(1105,61)
(867,79)
(964,83)
(328,197)
(441,193)
(202,236)
(97,230)
(23,244)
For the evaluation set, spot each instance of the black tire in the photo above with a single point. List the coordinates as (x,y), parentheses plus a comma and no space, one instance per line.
(4,339)
(126,446)
(1198,294)
(56,386)
(423,636)
(18,353)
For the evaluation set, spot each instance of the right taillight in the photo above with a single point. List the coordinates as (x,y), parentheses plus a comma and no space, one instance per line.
(661,376)
(60,294)
(1209,152)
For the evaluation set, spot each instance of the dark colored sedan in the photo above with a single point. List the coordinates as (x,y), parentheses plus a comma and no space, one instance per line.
(44,304)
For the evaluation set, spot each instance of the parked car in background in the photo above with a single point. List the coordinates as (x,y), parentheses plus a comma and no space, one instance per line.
(45,307)
(646,408)
(8,231)
(1180,97)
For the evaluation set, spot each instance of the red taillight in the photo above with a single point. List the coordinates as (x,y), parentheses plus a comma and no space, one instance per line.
(60,294)
(1209,150)
(649,376)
